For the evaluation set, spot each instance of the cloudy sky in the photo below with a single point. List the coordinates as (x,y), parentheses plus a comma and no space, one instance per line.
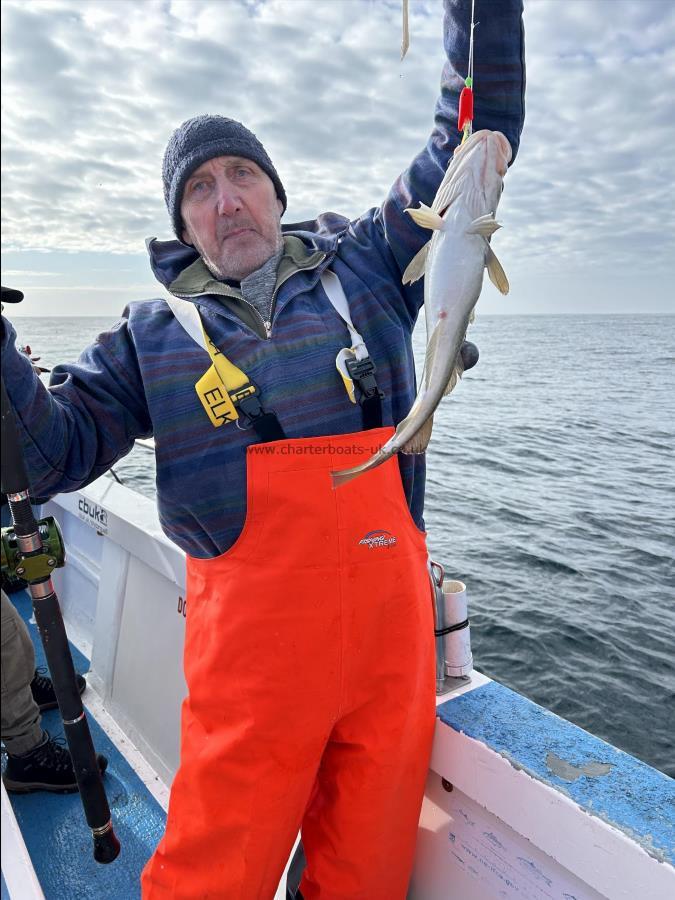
(92,90)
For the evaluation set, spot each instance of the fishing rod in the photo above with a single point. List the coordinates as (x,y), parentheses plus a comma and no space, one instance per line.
(32,552)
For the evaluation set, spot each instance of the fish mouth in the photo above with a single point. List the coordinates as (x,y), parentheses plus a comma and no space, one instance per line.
(494,140)
(490,147)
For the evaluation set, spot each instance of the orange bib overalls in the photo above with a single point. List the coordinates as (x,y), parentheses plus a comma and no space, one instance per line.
(309,660)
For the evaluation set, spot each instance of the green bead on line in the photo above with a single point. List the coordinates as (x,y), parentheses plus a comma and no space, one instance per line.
(468,81)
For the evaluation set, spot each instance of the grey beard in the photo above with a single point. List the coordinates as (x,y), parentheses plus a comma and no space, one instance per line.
(221,275)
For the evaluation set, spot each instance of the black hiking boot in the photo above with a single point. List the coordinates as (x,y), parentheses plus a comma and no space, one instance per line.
(43,690)
(47,767)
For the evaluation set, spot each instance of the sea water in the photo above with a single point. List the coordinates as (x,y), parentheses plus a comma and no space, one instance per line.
(551,493)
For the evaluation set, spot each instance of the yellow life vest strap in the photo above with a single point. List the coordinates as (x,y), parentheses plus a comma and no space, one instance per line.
(223,385)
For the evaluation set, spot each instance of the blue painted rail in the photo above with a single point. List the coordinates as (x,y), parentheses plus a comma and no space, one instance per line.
(602,780)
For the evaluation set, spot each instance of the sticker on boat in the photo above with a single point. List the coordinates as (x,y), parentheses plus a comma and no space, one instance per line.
(93,515)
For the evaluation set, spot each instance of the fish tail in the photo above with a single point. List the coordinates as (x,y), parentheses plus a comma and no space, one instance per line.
(339,478)
(345,475)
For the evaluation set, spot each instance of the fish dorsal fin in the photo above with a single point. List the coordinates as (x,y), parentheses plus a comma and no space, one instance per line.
(416,266)
(495,271)
(426,217)
(420,441)
(485,225)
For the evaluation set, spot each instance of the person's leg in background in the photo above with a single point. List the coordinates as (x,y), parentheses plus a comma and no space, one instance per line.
(35,761)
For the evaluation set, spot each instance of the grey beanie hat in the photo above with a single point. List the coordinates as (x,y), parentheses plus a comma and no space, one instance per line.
(200,139)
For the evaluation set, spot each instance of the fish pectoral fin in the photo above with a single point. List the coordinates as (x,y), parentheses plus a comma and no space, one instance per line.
(426,217)
(495,271)
(485,225)
(420,442)
(416,266)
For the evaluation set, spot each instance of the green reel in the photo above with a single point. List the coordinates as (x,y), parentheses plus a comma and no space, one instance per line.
(17,568)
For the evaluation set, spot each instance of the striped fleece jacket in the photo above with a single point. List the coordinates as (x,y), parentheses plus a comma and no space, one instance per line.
(138,379)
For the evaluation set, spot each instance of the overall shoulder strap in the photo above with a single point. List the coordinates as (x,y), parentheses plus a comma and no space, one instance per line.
(188,316)
(354,363)
(336,295)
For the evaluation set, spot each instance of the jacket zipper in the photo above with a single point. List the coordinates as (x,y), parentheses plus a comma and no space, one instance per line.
(266,325)
(283,281)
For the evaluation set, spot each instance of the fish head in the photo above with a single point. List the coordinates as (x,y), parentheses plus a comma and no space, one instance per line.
(483,159)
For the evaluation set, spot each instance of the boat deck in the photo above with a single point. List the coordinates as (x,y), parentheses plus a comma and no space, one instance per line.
(53,826)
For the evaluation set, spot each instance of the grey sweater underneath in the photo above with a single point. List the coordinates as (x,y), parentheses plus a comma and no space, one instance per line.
(258,287)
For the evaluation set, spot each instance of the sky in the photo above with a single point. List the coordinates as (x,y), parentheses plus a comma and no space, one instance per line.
(91,92)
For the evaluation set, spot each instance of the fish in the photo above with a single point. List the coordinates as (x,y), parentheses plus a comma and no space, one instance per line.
(405,36)
(453,262)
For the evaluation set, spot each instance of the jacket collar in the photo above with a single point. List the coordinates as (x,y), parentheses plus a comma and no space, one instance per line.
(196,279)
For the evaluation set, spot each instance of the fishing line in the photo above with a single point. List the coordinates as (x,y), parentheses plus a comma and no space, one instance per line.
(465,115)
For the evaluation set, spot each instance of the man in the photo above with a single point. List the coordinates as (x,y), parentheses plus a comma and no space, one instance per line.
(309,640)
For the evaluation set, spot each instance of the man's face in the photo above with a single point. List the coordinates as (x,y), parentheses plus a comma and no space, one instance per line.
(231,215)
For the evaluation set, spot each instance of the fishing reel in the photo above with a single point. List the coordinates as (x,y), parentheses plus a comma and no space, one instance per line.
(17,567)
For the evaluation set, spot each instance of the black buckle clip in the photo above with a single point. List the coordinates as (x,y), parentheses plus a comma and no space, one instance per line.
(245,399)
(265,424)
(362,373)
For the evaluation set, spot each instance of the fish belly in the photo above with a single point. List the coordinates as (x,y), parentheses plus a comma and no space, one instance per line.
(452,290)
